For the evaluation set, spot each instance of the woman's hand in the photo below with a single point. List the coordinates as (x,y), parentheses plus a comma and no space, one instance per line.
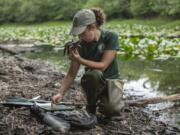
(74,55)
(56,98)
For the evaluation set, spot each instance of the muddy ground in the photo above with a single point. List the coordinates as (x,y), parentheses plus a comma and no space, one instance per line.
(30,78)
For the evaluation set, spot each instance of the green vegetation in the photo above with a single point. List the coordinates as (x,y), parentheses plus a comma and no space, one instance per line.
(30,11)
(147,40)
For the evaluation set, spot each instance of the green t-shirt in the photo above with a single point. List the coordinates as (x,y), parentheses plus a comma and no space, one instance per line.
(94,51)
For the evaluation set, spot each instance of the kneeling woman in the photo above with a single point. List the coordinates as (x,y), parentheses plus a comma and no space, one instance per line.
(97,53)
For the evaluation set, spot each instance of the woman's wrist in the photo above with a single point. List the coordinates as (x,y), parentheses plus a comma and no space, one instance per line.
(80,60)
(61,93)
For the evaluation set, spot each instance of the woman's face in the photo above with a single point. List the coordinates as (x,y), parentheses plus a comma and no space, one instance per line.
(88,35)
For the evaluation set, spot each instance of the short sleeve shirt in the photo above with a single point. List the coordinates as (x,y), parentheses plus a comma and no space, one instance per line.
(94,51)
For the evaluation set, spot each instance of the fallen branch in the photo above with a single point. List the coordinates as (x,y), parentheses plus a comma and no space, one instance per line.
(14,53)
(8,50)
(155,100)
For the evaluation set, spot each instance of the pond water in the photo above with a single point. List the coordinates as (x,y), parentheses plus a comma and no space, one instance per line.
(147,79)
(143,79)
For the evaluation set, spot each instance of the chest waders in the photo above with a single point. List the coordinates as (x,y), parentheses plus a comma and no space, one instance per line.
(106,94)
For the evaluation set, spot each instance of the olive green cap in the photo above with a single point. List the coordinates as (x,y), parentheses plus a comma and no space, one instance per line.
(81,20)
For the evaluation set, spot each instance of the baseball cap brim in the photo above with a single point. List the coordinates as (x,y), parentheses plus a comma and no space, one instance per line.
(77,30)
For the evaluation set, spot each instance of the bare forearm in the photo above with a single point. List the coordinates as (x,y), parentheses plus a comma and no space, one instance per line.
(66,84)
(69,78)
(92,64)
(107,58)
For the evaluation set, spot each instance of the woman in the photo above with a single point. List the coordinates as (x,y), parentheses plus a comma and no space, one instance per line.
(97,53)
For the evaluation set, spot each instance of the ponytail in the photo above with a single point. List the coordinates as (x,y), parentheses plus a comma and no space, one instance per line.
(100,16)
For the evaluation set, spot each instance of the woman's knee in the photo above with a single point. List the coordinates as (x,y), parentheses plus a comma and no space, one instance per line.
(91,75)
